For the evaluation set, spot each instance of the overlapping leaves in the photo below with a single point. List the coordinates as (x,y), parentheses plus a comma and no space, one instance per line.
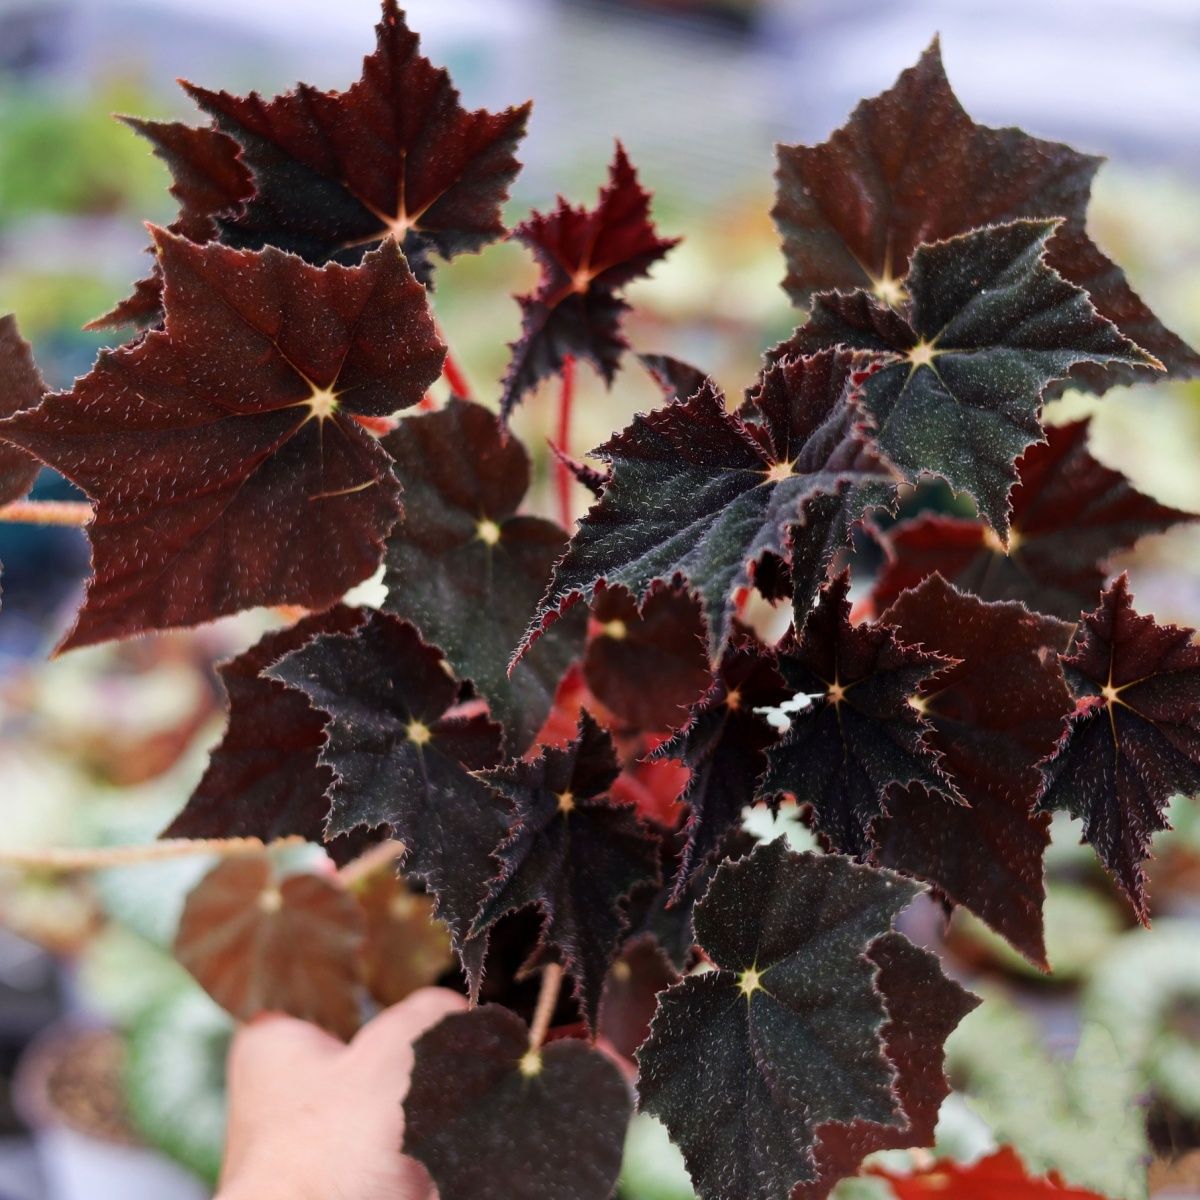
(467,570)
(21,387)
(586,258)
(989,326)
(698,494)
(910,166)
(222,452)
(1070,515)
(573,852)
(1134,737)
(402,757)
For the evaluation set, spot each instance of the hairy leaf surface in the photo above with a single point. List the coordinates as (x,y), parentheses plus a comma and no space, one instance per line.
(699,495)
(222,452)
(586,257)
(394,157)
(257,944)
(573,852)
(910,166)
(990,326)
(1134,737)
(995,716)
(21,387)
(467,570)
(491,1121)
(745,1063)
(401,757)
(1070,515)
(860,737)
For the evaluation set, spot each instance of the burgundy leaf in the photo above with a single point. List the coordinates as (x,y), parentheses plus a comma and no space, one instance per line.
(21,387)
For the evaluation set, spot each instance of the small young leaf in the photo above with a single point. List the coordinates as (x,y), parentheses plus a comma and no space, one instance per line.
(662,644)
(402,758)
(265,780)
(989,328)
(1134,738)
(209,178)
(405,947)
(860,737)
(467,571)
(700,495)
(21,387)
(995,716)
(744,1064)
(257,944)
(492,1120)
(998,1176)
(394,157)
(723,746)
(1070,515)
(677,379)
(910,166)
(924,1008)
(222,452)
(571,851)
(586,258)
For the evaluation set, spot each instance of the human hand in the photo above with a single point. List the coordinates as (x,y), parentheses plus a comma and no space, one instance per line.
(311,1118)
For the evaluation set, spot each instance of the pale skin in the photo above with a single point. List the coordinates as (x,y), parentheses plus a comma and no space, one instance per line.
(311,1118)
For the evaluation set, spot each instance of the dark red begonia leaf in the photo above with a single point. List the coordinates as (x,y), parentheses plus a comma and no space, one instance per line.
(467,570)
(572,852)
(860,738)
(700,496)
(222,452)
(208,179)
(1070,515)
(924,1008)
(586,257)
(401,757)
(1134,738)
(492,1119)
(998,1176)
(21,387)
(910,166)
(746,1063)
(258,944)
(395,157)
(677,379)
(643,970)
(265,779)
(995,716)
(723,745)
(965,366)
(647,667)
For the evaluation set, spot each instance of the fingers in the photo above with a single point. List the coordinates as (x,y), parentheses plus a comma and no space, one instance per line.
(387,1039)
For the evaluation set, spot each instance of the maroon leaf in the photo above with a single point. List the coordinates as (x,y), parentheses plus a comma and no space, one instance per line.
(701,495)
(995,716)
(402,757)
(642,971)
(923,1008)
(1134,738)
(724,746)
(208,179)
(493,1120)
(222,452)
(1070,515)
(264,780)
(663,643)
(460,553)
(395,157)
(910,166)
(257,944)
(677,379)
(860,737)
(21,387)
(573,852)
(586,258)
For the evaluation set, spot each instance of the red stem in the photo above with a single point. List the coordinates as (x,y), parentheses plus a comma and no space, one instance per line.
(452,373)
(562,474)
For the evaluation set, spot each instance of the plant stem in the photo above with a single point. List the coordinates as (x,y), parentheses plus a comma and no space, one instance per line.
(562,474)
(94,858)
(47,512)
(552,975)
